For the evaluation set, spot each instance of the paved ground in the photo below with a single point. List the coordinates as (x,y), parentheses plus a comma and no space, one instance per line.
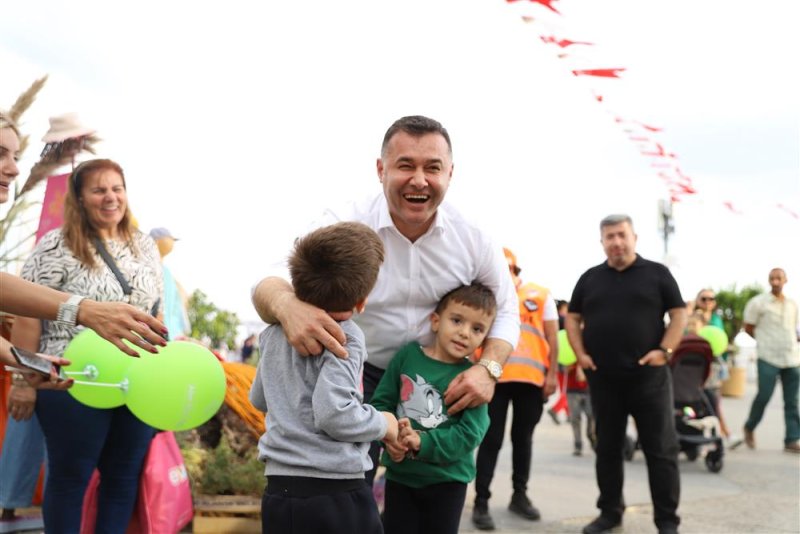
(757,491)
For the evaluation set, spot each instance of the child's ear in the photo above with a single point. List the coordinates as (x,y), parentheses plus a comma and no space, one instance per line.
(360,306)
(435,322)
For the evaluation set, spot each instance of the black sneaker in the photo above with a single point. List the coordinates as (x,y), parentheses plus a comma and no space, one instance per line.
(521,505)
(601,524)
(481,517)
(668,529)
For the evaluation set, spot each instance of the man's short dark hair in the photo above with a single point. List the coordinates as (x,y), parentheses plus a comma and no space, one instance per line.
(475,295)
(416,126)
(336,267)
(615,219)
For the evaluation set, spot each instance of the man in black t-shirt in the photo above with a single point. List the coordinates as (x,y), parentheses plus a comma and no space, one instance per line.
(616,327)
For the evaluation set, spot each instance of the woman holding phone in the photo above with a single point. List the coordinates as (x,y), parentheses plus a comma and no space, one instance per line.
(23,448)
(113,321)
(79,438)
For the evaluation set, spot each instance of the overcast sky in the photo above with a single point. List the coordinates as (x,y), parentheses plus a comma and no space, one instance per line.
(237,122)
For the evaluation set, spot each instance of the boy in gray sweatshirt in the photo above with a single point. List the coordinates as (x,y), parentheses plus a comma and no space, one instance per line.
(318,430)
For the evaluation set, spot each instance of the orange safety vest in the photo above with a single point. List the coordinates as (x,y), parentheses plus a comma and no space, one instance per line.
(530,359)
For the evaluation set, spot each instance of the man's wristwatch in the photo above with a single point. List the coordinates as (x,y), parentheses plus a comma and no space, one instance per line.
(667,352)
(68,311)
(494,368)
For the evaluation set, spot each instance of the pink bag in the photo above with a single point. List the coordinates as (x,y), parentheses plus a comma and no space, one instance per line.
(164,504)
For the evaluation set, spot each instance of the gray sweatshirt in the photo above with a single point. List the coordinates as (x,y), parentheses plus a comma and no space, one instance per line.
(317,425)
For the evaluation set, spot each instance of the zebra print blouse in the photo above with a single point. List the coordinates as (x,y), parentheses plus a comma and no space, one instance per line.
(52,264)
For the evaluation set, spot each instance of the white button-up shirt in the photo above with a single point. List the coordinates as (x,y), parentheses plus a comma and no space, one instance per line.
(414,277)
(776,329)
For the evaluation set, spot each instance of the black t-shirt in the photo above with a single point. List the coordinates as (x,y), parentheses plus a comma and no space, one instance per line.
(623,311)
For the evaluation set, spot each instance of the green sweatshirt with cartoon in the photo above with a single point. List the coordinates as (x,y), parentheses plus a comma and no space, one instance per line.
(413,386)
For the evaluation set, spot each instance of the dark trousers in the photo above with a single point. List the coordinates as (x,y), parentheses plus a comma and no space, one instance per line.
(528,402)
(646,394)
(435,508)
(80,439)
(306,505)
(768,375)
(372,375)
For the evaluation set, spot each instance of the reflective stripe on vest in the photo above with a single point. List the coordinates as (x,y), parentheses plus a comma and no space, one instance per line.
(529,360)
(523,360)
(532,329)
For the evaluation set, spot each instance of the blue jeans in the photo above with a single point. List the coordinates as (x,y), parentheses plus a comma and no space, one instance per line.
(20,462)
(80,439)
(646,394)
(790,382)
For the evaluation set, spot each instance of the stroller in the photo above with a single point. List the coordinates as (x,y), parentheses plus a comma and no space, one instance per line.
(695,417)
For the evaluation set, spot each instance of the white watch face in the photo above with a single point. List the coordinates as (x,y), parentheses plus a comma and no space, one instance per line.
(494,368)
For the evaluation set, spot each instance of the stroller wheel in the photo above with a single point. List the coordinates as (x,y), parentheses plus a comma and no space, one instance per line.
(691,453)
(714,462)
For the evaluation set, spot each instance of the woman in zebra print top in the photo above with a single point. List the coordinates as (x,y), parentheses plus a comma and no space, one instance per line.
(80,438)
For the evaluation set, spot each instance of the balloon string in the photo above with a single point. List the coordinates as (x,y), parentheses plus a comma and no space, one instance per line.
(107,385)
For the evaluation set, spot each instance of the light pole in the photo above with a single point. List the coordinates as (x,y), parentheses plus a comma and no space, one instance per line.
(665,222)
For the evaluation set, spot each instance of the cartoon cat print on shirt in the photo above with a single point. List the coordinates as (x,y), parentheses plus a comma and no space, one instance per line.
(421,402)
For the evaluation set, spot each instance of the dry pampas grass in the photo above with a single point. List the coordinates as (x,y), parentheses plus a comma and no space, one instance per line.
(57,155)
(22,104)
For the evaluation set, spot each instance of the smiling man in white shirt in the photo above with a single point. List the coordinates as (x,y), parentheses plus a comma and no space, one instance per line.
(430,249)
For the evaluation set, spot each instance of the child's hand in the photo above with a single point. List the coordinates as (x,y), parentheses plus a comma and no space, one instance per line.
(403,423)
(397,452)
(391,427)
(409,437)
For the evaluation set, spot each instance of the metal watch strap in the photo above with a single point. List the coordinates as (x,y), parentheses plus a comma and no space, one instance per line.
(68,311)
(491,367)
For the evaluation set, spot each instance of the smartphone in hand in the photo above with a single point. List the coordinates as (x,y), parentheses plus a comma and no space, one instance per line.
(33,361)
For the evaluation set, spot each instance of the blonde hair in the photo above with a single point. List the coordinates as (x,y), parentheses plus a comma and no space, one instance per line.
(7,122)
(78,232)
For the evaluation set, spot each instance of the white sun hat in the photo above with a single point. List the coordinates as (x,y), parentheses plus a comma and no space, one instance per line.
(66,126)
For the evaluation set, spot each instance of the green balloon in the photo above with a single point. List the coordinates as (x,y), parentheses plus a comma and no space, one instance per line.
(566,356)
(716,337)
(99,362)
(179,388)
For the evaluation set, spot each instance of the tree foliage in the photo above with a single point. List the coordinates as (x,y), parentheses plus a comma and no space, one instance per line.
(731,303)
(209,321)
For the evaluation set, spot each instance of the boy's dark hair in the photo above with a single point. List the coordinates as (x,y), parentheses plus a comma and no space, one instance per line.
(475,295)
(336,267)
(416,126)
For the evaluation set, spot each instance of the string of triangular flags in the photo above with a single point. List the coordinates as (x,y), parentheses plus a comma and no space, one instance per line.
(664,162)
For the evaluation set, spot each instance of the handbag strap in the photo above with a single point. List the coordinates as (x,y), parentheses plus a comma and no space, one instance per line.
(101,249)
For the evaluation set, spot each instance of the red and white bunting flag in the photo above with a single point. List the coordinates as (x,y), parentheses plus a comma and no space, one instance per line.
(546,3)
(788,210)
(601,73)
(728,204)
(659,152)
(562,43)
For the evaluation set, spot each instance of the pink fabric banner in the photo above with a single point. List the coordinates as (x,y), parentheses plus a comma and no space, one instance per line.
(53,204)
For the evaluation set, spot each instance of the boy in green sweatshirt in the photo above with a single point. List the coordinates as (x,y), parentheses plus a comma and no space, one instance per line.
(430,465)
